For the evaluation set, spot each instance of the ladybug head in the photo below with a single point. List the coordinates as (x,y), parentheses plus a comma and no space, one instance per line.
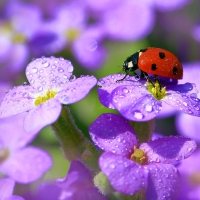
(125,66)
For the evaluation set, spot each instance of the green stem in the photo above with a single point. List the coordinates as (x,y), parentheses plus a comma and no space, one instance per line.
(144,130)
(74,144)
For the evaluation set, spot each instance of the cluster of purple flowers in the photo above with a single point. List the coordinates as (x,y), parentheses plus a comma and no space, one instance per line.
(124,158)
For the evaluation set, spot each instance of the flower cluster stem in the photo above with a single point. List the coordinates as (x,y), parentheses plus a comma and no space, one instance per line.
(74,144)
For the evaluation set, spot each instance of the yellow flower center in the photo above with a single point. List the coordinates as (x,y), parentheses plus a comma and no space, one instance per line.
(72,34)
(194,178)
(139,156)
(4,154)
(42,99)
(158,92)
(16,37)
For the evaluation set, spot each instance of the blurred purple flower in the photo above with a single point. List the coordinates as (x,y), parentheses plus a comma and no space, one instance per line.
(187,125)
(78,184)
(123,20)
(21,162)
(190,177)
(69,28)
(51,85)
(130,167)
(45,191)
(15,31)
(6,189)
(167,6)
(135,101)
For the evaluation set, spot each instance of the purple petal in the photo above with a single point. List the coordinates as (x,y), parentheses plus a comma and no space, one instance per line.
(134,103)
(168,149)
(78,177)
(108,84)
(76,89)
(6,187)
(166,5)
(91,193)
(113,133)
(14,197)
(188,104)
(124,175)
(124,28)
(17,100)
(163,182)
(27,165)
(88,49)
(49,73)
(16,12)
(43,115)
(12,127)
(188,126)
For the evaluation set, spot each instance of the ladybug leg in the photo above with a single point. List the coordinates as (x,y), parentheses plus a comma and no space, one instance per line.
(148,79)
(127,73)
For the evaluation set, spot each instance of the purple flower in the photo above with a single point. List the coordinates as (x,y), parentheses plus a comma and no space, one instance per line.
(51,85)
(6,189)
(141,101)
(187,125)
(78,184)
(15,31)
(69,28)
(131,167)
(190,177)
(18,161)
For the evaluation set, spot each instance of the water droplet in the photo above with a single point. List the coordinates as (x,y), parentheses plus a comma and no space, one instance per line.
(65,98)
(24,83)
(70,68)
(40,88)
(13,94)
(148,108)
(185,103)
(53,66)
(60,69)
(45,64)
(61,58)
(34,70)
(25,94)
(125,90)
(72,78)
(41,70)
(138,115)
(32,81)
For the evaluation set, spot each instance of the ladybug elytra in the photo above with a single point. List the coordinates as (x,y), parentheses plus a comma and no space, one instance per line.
(155,61)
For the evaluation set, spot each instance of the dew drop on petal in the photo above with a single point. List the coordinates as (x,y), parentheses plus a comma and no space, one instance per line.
(34,70)
(60,69)
(45,64)
(138,115)
(148,108)
(185,103)
(13,94)
(125,90)
(40,88)
(70,69)
(53,66)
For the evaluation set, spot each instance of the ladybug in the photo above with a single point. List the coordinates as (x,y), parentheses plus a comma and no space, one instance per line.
(155,61)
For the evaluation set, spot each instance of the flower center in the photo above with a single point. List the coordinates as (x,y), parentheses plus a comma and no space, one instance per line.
(158,92)
(16,37)
(194,178)
(4,154)
(42,99)
(72,34)
(139,156)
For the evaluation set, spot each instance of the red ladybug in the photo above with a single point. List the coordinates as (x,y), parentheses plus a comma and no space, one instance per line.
(156,61)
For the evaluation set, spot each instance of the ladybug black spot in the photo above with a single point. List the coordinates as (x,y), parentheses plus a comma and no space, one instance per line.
(175,70)
(153,67)
(161,55)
